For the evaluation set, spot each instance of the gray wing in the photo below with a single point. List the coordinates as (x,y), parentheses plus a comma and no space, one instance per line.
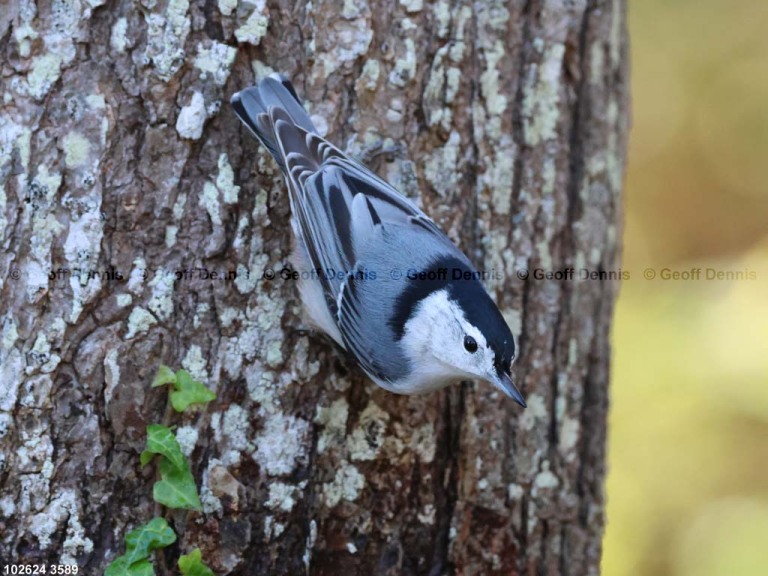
(339,204)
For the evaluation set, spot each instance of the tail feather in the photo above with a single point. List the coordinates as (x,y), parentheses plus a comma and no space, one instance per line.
(253,106)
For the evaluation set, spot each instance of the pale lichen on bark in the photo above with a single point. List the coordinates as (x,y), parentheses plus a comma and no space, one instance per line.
(119,153)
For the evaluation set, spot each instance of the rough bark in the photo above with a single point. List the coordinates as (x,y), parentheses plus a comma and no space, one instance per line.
(119,153)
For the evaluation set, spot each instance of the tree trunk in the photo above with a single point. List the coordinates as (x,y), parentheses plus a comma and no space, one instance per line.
(124,173)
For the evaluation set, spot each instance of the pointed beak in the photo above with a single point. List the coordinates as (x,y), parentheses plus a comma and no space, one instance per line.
(505,384)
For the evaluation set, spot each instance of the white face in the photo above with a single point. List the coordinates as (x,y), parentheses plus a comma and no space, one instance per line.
(443,346)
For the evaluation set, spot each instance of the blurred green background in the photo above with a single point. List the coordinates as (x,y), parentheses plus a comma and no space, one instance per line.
(688,443)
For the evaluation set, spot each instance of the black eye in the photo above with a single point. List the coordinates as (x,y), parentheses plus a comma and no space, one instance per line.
(470,344)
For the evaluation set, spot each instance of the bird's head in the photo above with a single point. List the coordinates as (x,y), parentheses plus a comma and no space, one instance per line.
(456,333)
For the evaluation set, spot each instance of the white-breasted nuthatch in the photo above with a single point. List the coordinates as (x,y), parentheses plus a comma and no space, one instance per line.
(377,275)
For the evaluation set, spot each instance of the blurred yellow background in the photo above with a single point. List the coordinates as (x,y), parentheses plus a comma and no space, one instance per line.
(688,443)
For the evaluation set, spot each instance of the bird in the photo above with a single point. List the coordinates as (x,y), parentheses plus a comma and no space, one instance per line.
(377,275)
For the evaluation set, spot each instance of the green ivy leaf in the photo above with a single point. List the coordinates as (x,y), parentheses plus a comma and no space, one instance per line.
(189,391)
(160,440)
(192,565)
(146,457)
(176,489)
(121,567)
(140,542)
(164,376)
